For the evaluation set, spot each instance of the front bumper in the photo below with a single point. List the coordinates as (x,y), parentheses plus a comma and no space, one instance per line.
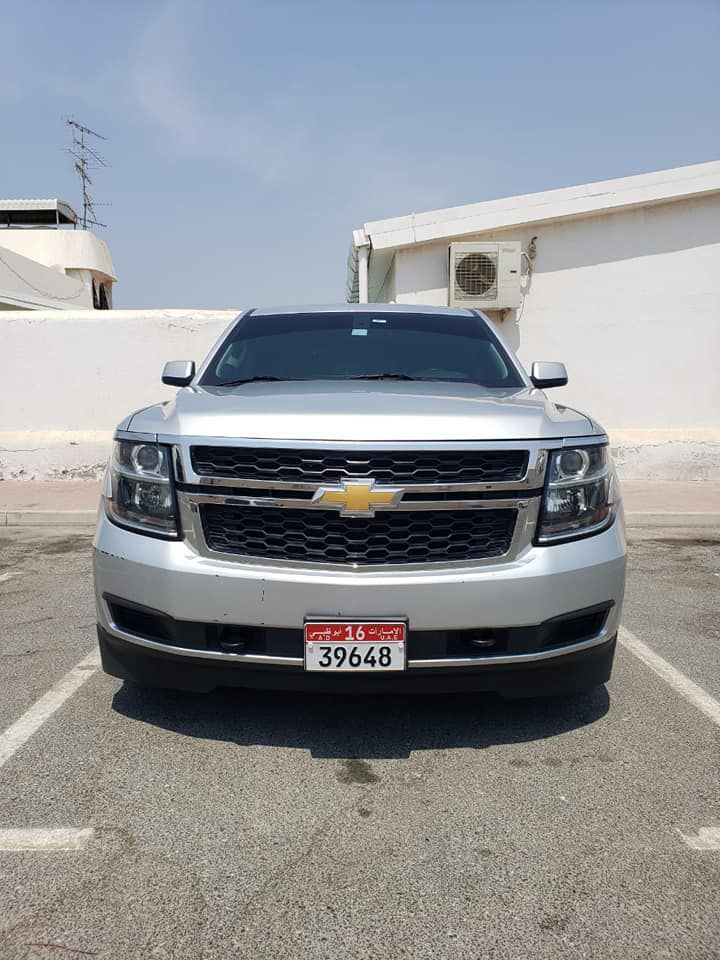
(540,584)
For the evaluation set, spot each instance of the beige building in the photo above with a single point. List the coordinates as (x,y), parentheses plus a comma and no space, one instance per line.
(48,263)
(619,279)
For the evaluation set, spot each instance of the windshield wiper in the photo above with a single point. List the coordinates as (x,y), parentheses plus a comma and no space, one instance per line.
(383,376)
(270,379)
(261,379)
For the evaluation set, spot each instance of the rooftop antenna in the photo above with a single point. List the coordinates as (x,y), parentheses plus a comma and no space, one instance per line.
(86,158)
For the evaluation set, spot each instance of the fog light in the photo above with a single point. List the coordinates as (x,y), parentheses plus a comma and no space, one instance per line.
(232,640)
(483,639)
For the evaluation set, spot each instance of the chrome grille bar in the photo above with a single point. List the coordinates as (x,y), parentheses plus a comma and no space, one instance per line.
(296,503)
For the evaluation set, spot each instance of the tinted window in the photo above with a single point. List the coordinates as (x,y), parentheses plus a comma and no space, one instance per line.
(332,346)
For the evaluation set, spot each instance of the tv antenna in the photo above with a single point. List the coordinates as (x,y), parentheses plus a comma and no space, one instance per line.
(86,158)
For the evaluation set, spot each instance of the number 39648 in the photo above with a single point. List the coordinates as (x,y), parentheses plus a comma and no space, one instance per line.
(355,646)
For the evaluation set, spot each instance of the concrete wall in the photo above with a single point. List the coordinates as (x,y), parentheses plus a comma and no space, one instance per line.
(68,377)
(631,302)
(388,290)
(641,337)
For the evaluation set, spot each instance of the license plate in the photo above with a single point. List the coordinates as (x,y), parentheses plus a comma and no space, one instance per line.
(355,646)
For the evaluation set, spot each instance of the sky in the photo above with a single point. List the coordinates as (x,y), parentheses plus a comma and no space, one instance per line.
(246,140)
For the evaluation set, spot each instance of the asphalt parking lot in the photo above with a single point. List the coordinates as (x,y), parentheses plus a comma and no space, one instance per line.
(257,825)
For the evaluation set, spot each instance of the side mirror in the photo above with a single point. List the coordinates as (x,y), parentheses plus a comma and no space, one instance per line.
(547,373)
(178,373)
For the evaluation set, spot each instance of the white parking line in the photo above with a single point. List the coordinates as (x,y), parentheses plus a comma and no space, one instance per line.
(31,721)
(6,576)
(693,693)
(60,838)
(707,838)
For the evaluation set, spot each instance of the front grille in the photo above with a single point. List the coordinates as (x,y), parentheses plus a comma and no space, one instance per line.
(323,536)
(332,466)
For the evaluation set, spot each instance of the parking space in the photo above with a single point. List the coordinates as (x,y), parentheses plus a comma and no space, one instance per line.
(47,613)
(673,596)
(273,825)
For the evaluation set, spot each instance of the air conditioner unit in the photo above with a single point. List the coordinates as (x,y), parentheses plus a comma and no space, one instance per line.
(485,275)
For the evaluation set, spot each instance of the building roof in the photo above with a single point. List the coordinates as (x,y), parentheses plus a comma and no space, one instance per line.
(607,196)
(36,212)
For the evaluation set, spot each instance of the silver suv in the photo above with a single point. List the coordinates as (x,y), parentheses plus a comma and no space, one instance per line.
(362,497)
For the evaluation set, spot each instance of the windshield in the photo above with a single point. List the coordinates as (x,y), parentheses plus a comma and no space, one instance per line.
(359,345)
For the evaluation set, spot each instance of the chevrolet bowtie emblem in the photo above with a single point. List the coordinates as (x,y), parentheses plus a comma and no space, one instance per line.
(358,498)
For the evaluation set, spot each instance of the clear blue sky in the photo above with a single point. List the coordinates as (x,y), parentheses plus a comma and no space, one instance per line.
(248,139)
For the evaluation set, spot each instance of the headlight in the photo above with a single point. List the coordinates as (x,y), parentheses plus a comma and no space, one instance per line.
(580,494)
(142,493)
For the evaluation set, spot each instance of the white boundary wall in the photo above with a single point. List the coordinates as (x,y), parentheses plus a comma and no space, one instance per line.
(68,377)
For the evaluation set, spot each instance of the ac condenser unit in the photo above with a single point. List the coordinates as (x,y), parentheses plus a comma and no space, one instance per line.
(485,275)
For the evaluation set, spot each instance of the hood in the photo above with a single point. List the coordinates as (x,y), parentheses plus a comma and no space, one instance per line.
(362,411)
